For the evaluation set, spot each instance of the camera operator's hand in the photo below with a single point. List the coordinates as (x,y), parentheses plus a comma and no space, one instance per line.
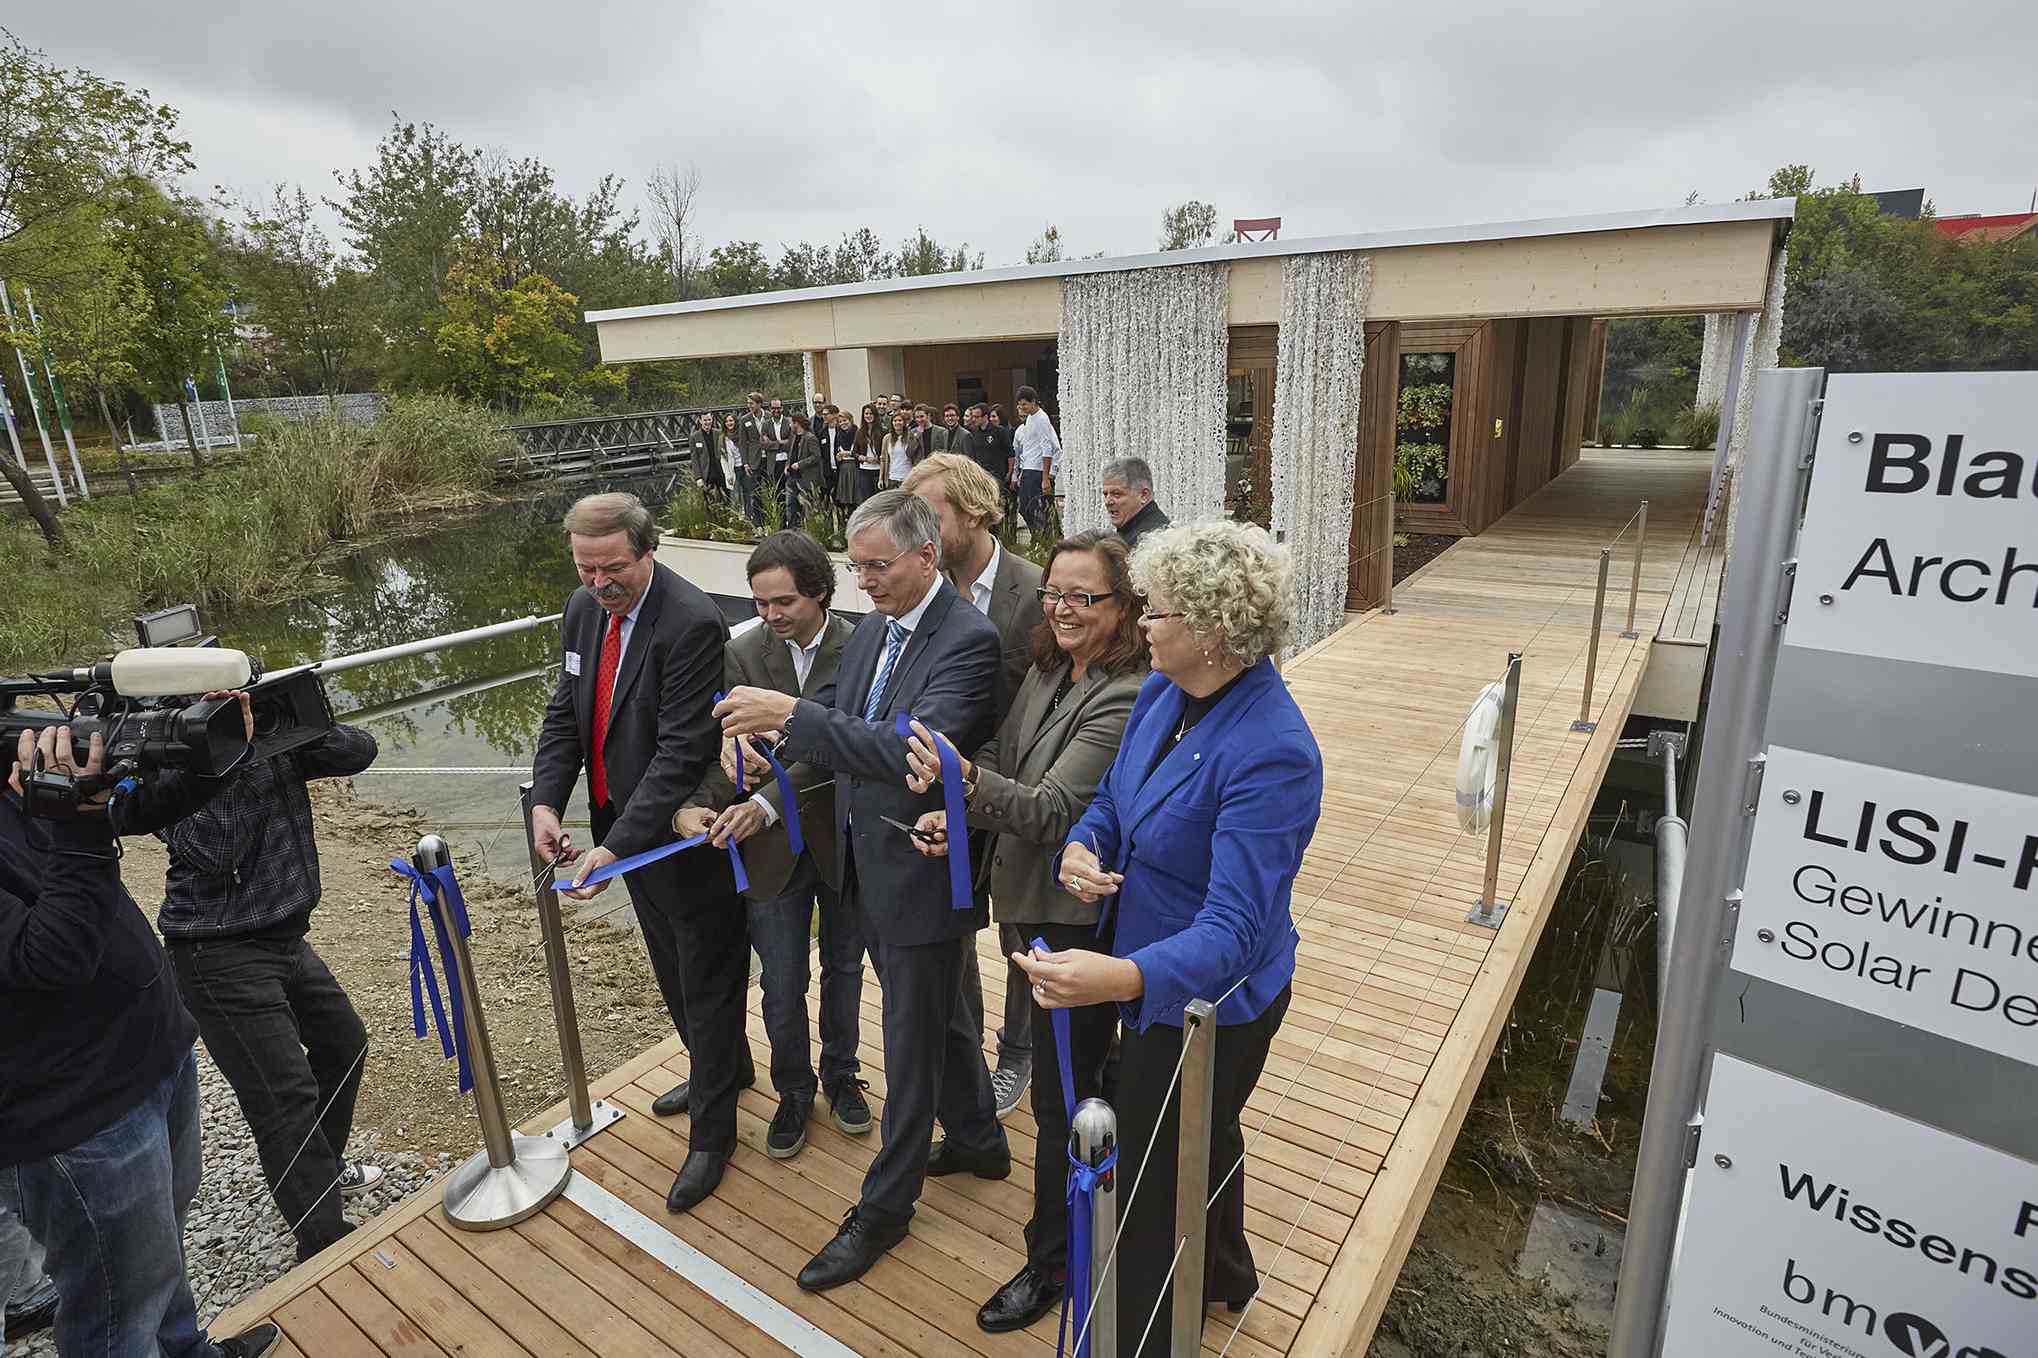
(247,707)
(54,745)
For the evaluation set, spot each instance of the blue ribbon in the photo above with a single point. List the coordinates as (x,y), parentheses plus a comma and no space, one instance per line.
(638,860)
(960,897)
(789,811)
(442,897)
(1081,1198)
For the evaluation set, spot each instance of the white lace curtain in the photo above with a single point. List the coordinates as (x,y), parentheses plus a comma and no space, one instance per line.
(1316,421)
(1142,357)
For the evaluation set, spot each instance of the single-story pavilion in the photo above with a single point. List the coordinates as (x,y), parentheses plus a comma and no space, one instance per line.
(1276,379)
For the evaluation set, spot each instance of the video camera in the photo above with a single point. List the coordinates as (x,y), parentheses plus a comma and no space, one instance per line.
(139,702)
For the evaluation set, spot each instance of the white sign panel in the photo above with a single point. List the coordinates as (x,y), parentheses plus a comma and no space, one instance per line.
(1826,1228)
(1920,537)
(1910,897)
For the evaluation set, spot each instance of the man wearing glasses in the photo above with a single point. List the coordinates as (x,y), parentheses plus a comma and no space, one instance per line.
(920,651)
(1003,586)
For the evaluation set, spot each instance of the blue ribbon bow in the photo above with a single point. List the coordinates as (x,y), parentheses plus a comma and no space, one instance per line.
(960,897)
(442,897)
(1081,1199)
(789,810)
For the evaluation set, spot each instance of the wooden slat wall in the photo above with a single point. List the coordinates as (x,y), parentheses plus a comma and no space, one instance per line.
(1595,374)
(1488,500)
(1254,346)
(1545,354)
(931,369)
(1580,377)
(1374,470)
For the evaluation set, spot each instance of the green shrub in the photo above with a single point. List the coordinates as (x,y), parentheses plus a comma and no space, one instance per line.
(1634,425)
(1696,426)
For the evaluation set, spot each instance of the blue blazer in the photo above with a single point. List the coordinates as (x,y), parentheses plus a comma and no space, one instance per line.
(1209,845)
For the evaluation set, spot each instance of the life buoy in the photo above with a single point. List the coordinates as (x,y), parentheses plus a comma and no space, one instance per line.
(1478,760)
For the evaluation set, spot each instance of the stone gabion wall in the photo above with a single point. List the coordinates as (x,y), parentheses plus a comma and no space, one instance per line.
(361,407)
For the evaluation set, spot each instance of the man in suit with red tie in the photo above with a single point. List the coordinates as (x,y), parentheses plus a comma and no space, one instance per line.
(635,706)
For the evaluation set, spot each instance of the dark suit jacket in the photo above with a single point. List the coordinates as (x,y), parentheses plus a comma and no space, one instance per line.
(759,659)
(774,437)
(1036,778)
(946,677)
(1148,520)
(662,734)
(750,441)
(807,463)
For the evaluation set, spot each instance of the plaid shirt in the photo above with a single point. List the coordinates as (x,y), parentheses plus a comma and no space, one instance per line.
(247,861)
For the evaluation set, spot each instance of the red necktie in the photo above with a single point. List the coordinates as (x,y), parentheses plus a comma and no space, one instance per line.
(604,693)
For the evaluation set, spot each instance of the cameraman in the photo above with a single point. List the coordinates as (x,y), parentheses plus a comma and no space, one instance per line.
(236,911)
(99,1149)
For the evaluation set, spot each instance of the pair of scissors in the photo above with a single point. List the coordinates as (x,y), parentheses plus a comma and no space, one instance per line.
(924,836)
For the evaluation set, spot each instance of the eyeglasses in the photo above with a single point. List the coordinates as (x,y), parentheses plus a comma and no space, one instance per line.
(1077,598)
(1148,615)
(874,567)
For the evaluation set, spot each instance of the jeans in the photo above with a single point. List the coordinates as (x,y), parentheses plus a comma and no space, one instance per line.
(111,1210)
(1031,503)
(779,931)
(288,1041)
(23,1284)
(746,495)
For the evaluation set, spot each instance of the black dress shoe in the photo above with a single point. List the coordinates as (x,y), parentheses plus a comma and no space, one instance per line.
(696,1179)
(948,1158)
(672,1102)
(847,1107)
(1031,1294)
(251,1343)
(858,1243)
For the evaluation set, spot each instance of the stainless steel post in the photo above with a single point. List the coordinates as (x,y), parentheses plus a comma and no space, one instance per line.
(1585,722)
(564,1013)
(514,1176)
(1744,665)
(1192,1182)
(1491,909)
(1672,839)
(1387,594)
(1094,1134)
(1629,633)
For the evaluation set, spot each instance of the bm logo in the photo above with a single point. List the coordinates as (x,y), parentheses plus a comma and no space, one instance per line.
(1911,1335)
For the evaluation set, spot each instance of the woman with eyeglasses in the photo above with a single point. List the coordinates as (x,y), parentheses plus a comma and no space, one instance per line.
(1026,788)
(1192,842)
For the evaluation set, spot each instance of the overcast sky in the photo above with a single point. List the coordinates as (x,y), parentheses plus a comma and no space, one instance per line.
(808,120)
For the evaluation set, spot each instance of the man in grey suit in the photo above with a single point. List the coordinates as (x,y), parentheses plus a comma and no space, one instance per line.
(920,651)
(1004,587)
(752,464)
(794,650)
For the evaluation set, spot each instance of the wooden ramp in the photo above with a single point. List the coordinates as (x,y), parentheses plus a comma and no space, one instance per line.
(1397,1004)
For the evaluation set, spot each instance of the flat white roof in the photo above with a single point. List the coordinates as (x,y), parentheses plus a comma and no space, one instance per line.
(1767,209)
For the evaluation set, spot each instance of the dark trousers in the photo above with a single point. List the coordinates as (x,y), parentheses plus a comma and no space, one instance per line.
(1031,506)
(780,929)
(1146,1232)
(285,1036)
(1015,1033)
(866,483)
(747,493)
(693,923)
(932,1068)
(1090,1030)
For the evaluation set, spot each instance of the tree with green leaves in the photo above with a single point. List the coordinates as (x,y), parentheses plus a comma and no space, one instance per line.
(92,323)
(1188,225)
(924,255)
(1046,247)
(516,348)
(308,302)
(185,321)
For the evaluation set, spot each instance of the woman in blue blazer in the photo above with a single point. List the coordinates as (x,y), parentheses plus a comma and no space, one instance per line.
(1193,841)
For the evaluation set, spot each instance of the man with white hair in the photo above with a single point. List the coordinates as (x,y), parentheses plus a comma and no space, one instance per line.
(1128,499)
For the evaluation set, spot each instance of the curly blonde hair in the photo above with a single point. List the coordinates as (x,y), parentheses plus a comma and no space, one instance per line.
(1229,580)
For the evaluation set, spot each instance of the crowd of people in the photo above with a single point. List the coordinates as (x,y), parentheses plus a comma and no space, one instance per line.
(828,458)
(1137,788)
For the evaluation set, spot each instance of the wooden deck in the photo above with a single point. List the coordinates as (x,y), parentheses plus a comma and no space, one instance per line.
(1396,1006)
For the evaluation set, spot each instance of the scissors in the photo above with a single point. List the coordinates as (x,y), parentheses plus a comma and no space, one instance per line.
(924,836)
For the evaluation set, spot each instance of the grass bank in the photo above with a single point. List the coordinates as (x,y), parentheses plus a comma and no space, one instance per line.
(239,533)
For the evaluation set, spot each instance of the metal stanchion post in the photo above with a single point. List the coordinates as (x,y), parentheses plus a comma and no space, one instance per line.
(1094,1134)
(1585,722)
(1491,909)
(1387,593)
(583,1118)
(513,1176)
(1192,1182)
(1635,580)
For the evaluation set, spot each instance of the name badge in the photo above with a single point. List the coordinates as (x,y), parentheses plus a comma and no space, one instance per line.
(573,662)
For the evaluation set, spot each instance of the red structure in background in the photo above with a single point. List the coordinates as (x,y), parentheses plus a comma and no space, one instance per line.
(1256,228)
(2003,226)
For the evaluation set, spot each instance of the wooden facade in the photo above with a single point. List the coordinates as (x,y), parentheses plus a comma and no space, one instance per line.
(939,373)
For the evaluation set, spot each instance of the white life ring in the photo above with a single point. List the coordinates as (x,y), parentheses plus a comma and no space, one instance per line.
(1478,761)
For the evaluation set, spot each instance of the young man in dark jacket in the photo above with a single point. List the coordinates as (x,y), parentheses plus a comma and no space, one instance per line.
(236,911)
(99,1142)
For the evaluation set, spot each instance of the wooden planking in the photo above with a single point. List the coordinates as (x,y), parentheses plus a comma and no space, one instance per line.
(1396,1002)
(1368,563)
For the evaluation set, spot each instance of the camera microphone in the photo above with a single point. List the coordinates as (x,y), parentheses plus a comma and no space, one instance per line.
(163,672)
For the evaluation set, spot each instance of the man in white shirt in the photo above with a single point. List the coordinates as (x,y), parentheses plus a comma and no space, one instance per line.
(793,651)
(1035,447)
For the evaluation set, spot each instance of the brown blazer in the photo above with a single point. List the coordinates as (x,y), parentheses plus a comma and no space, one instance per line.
(759,659)
(1035,779)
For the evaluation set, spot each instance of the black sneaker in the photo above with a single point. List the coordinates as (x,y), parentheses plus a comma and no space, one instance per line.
(31,1320)
(1009,1084)
(788,1127)
(847,1107)
(251,1343)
